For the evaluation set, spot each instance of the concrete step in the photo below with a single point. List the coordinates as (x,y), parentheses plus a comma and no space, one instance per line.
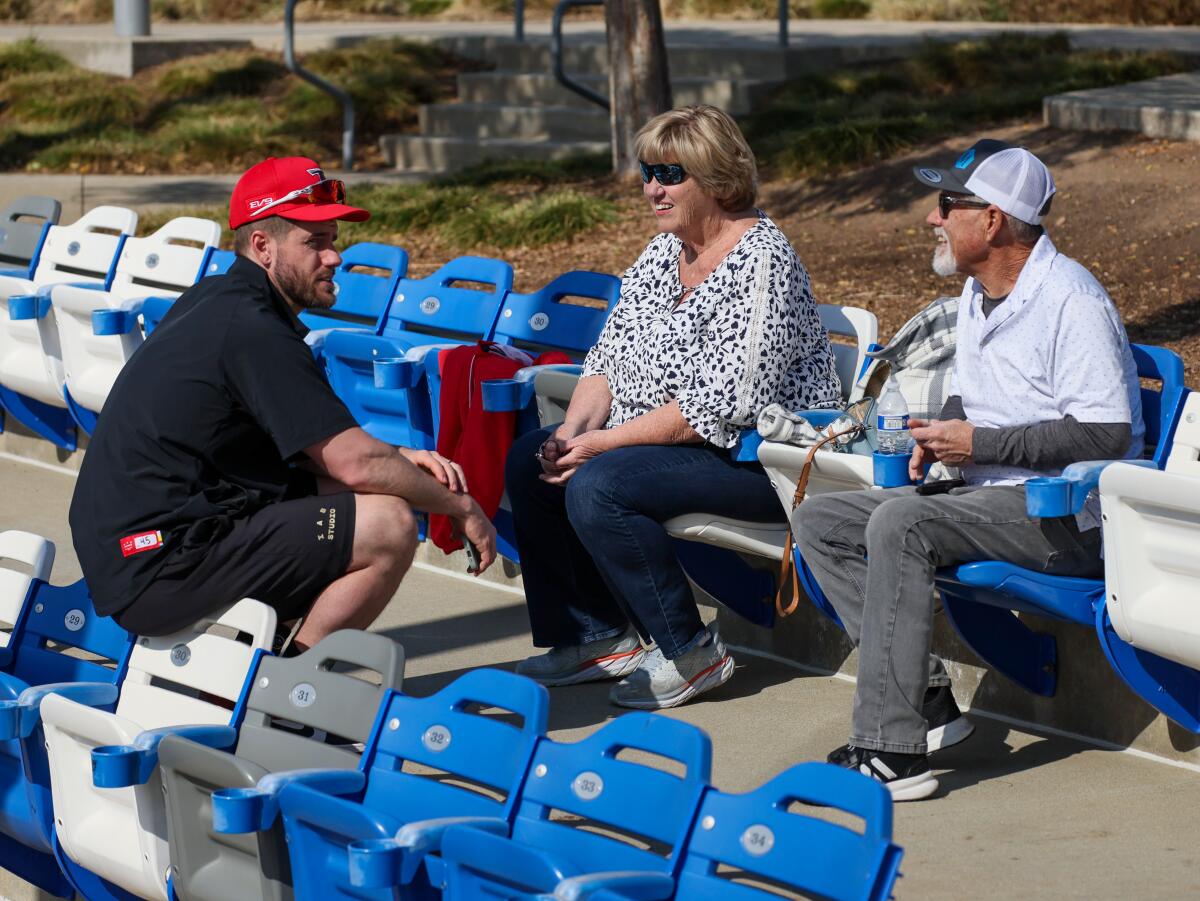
(1158,108)
(418,153)
(493,120)
(537,89)
(758,61)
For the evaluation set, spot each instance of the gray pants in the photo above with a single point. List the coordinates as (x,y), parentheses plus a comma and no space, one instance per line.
(874,554)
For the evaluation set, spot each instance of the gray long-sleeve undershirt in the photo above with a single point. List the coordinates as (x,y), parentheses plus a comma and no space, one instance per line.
(1042,445)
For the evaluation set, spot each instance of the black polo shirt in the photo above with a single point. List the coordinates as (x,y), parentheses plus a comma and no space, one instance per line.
(198,430)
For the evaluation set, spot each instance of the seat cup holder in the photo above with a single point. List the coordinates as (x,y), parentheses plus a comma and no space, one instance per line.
(237,810)
(114,766)
(375,862)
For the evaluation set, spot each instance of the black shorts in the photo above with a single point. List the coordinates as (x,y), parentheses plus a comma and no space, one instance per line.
(283,555)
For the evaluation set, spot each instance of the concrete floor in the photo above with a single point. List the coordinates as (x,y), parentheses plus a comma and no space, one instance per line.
(1018,815)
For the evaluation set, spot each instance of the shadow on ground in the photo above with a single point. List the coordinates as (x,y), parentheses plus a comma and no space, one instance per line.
(987,755)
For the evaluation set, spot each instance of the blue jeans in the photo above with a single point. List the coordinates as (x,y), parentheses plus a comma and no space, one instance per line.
(595,556)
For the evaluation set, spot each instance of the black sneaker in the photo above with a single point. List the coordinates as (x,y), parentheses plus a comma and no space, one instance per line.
(906,776)
(947,725)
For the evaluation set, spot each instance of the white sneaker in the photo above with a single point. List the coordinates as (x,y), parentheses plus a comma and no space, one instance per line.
(608,658)
(660,682)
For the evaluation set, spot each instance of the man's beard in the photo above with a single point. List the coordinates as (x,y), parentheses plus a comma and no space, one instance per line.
(944,263)
(304,291)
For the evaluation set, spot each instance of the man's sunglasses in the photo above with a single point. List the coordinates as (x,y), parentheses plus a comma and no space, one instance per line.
(663,173)
(331,190)
(947,202)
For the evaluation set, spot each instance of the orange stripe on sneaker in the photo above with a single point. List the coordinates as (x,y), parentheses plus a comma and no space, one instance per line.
(705,672)
(616,656)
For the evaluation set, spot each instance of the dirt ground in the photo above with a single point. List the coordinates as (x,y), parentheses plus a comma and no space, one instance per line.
(1128,208)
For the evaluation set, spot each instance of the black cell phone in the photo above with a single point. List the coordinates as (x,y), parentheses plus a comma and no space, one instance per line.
(941,487)
(472,555)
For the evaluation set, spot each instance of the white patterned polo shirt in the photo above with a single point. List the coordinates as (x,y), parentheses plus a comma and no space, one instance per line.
(1055,348)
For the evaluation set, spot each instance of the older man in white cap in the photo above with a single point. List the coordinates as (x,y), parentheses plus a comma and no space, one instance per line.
(1043,377)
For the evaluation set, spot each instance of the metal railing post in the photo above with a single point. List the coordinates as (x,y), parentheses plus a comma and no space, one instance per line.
(131,18)
(519,20)
(783,23)
(289,58)
(556,51)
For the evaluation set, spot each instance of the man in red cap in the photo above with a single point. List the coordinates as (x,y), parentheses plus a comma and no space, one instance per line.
(224,466)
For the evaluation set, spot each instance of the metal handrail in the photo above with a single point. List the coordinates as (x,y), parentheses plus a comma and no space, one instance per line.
(783,23)
(519,20)
(289,58)
(557,54)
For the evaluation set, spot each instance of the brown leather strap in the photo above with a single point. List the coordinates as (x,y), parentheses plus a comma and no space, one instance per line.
(787,568)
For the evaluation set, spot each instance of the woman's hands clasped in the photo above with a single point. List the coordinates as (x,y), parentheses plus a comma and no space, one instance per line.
(561,454)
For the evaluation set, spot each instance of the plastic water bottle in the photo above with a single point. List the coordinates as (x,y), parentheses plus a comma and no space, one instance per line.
(891,423)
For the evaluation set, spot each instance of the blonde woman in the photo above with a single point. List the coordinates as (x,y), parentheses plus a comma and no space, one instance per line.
(716,320)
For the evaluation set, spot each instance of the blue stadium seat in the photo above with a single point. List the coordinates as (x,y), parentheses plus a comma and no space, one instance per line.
(980,599)
(606,792)
(543,321)
(739,840)
(361,296)
(438,760)
(366,369)
(42,658)
(216,262)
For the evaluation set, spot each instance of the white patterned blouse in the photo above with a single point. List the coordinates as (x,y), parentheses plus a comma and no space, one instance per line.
(749,335)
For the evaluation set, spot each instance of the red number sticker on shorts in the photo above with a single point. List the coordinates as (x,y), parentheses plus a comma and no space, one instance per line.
(143,541)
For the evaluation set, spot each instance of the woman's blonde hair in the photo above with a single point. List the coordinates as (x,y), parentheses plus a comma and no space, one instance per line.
(710,147)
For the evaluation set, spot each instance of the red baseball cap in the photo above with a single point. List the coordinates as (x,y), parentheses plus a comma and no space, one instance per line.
(295,188)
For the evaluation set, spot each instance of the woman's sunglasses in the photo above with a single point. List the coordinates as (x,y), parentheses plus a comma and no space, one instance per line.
(663,173)
(947,202)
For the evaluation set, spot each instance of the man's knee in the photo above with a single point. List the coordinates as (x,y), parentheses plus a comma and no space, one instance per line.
(894,518)
(385,530)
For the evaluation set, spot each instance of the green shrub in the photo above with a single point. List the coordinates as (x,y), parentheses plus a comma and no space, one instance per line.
(27,57)
(826,122)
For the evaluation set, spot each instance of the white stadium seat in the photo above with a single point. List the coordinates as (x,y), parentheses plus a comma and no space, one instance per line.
(120,834)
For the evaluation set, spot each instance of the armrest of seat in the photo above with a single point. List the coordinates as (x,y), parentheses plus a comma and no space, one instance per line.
(119,766)
(631,884)
(240,810)
(383,862)
(517,393)
(19,718)
(121,321)
(746,449)
(28,306)
(397,372)
(498,856)
(315,338)
(1066,494)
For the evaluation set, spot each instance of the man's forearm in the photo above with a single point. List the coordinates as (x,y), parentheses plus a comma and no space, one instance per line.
(366,465)
(387,472)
